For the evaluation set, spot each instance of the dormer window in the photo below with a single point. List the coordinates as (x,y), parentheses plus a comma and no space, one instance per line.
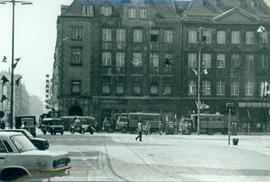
(87,11)
(143,13)
(106,10)
(132,13)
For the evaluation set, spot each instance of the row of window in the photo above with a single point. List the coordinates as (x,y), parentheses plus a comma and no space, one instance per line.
(235,60)
(120,88)
(221,37)
(77,33)
(107,10)
(137,59)
(249,88)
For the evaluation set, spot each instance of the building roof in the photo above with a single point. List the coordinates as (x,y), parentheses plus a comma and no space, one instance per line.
(209,9)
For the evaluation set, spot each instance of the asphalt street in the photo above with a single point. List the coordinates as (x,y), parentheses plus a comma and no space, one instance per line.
(118,157)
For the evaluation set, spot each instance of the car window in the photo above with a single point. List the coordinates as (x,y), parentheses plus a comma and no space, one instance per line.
(22,143)
(2,148)
(8,146)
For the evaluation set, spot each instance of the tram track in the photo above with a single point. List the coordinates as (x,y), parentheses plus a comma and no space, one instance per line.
(108,164)
(153,169)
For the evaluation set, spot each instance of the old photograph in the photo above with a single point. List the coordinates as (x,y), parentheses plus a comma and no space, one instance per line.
(135,90)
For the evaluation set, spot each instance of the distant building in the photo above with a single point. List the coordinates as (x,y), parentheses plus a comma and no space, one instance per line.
(21,96)
(116,56)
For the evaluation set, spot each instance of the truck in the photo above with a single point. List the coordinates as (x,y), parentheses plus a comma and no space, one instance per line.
(26,122)
(130,122)
(210,123)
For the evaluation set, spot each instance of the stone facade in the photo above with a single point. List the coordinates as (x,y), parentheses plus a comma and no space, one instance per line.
(125,56)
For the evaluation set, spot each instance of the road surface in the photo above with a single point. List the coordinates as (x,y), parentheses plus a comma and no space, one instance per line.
(192,158)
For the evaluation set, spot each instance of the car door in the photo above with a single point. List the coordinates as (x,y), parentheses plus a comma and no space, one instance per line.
(3,154)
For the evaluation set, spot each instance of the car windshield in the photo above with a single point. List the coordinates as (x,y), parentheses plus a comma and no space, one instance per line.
(29,135)
(22,143)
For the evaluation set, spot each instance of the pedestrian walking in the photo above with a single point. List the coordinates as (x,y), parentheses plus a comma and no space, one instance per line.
(140,131)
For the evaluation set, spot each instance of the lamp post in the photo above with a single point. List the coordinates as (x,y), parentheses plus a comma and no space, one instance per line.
(13,65)
(199,72)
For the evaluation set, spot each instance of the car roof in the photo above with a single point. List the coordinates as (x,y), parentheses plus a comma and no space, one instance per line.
(8,134)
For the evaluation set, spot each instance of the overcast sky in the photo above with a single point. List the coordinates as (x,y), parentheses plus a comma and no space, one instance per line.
(35,35)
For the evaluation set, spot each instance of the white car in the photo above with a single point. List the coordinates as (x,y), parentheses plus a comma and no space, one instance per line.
(20,159)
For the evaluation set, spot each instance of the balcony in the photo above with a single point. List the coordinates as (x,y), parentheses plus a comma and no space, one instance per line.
(120,45)
(106,45)
(106,70)
(154,46)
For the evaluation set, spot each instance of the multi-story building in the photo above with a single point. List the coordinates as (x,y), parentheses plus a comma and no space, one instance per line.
(116,56)
(21,96)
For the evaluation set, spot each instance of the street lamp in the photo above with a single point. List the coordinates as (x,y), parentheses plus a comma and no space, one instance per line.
(13,65)
(199,72)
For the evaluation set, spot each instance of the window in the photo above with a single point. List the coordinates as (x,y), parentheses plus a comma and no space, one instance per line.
(120,59)
(206,60)
(263,62)
(137,59)
(8,147)
(154,60)
(142,13)
(206,88)
(235,37)
(220,60)
(119,89)
(132,13)
(249,61)
(75,87)
(192,36)
(263,37)
(77,33)
(220,88)
(106,59)
(235,61)
(107,35)
(106,10)
(192,60)
(206,36)
(154,89)
(249,88)
(154,34)
(249,37)
(221,37)
(137,89)
(76,56)
(87,11)
(106,89)
(235,88)
(168,59)
(2,148)
(192,88)
(120,35)
(168,36)
(137,35)
(167,89)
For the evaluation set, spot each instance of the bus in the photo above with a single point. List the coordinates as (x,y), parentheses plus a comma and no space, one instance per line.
(130,121)
(210,123)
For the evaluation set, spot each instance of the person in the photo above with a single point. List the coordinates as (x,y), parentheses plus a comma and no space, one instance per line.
(140,131)
(3,124)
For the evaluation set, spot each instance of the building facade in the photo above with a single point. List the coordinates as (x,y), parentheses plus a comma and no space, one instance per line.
(115,56)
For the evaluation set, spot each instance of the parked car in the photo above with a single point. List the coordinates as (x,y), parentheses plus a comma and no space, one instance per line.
(20,159)
(52,125)
(40,143)
(26,122)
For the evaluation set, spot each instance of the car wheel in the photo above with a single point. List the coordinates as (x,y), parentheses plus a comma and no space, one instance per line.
(62,133)
(124,130)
